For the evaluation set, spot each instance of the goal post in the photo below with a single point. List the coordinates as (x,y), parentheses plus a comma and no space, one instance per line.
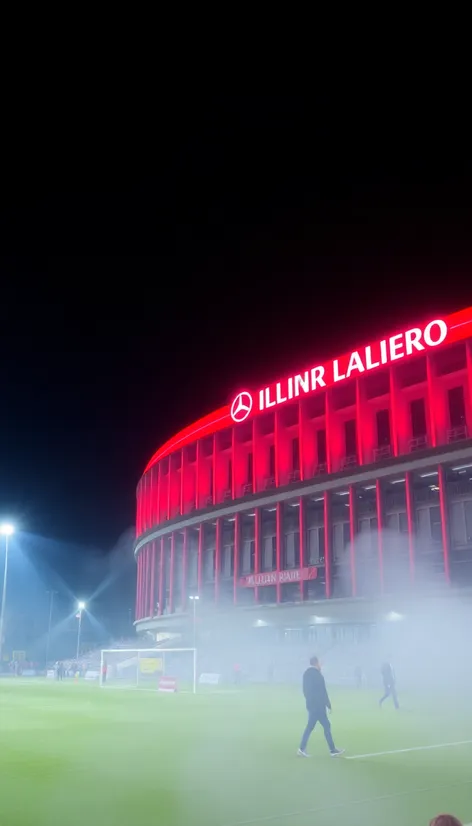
(151,669)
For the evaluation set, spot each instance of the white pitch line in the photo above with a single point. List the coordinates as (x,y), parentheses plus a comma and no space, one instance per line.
(404,751)
(348,803)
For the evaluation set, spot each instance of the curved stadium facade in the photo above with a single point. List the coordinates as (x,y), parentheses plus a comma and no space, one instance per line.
(334,488)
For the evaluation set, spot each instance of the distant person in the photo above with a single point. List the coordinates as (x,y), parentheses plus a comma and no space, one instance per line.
(104,672)
(358,676)
(390,690)
(317,701)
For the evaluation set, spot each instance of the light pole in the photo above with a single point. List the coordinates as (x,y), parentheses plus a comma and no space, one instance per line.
(194,598)
(52,594)
(6,530)
(81,607)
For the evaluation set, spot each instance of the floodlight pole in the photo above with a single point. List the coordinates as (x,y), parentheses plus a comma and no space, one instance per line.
(78,634)
(51,603)
(4,598)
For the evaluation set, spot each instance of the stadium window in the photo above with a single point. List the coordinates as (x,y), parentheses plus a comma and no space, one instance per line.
(313,546)
(456,406)
(350,437)
(402,522)
(383,428)
(230,474)
(296,453)
(272,460)
(435,523)
(346,533)
(250,468)
(418,418)
(468,520)
(296,542)
(321,446)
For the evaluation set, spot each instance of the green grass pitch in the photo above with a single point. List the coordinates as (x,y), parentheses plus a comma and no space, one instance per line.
(74,754)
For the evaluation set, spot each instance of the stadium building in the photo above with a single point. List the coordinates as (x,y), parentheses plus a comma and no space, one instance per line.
(331,495)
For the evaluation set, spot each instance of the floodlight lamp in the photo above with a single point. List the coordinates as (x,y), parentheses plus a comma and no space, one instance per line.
(194,596)
(6,529)
(82,606)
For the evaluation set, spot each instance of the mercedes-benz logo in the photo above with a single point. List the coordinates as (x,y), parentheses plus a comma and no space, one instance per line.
(241,407)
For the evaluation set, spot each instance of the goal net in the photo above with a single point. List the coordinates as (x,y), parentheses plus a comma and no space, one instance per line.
(154,669)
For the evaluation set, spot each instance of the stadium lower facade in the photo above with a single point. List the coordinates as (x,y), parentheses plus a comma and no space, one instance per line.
(343,487)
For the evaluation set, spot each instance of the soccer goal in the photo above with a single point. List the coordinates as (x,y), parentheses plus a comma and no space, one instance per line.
(154,669)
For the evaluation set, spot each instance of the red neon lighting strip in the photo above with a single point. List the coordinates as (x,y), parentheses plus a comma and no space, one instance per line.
(237,525)
(459,327)
(278,546)
(218,558)
(257,547)
(171,573)
(161,578)
(352,532)
(184,569)
(327,547)
(301,529)
(444,527)
(200,558)
(410,523)
(378,492)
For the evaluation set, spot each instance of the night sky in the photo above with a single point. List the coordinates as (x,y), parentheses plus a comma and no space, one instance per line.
(150,277)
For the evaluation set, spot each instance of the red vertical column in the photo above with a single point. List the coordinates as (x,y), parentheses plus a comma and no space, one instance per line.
(394,413)
(301,528)
(301,438)
(184,569)
(158,504)
(237,534)
(378,494)
(257,547)
(198,464)
(161,577)
(169,487)
(327,542)
(201,538)
(328,428)
(214,469)
(183,468)
(218,533)
(431,405)
(444,521)
(352,537)
(278,545)
(145,579)
(361,421)
(171,572)
(410,510)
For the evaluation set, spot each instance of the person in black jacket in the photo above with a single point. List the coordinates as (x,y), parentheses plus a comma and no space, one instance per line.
(317,701)
(390,689)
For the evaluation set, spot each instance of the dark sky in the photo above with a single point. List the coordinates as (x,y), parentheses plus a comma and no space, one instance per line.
(148,277)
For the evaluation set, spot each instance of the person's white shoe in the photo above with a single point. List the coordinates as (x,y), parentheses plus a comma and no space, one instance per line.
(337,752)
(301,753)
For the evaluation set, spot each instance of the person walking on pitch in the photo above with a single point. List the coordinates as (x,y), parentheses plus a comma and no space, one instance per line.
(390,690)
(317,701)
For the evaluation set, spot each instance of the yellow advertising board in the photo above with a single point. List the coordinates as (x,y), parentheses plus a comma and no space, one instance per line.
(150,665)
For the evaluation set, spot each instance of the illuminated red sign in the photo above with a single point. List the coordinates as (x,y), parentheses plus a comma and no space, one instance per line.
(356,363)
(278,577)
(389,350)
